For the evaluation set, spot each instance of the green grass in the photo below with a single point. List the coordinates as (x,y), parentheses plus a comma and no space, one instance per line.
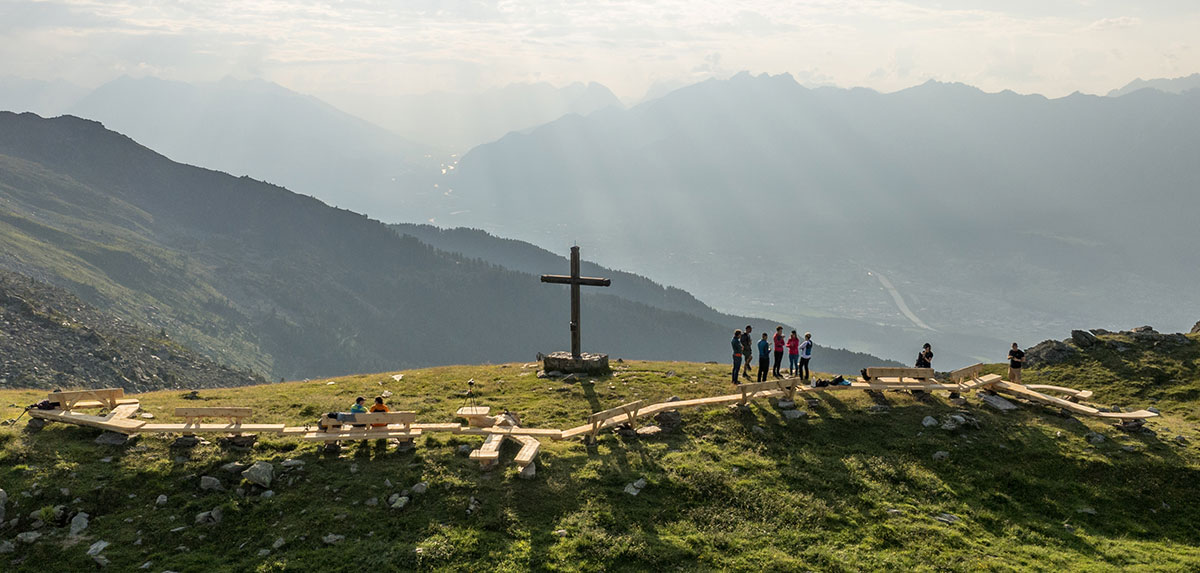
(844,490)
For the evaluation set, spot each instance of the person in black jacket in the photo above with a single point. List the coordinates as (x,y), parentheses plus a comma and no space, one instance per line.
(737,354)
(925,358)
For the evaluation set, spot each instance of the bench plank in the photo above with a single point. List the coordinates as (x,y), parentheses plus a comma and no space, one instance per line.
(890,372)
(622,410)
(1022,391)
(106,397)
(217,412)
(213,428)
(529,450)
(966,373)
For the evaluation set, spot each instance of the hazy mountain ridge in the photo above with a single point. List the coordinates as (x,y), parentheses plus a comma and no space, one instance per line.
(1000,215)
(260,277)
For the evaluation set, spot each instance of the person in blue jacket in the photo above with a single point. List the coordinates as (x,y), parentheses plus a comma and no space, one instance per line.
(764,358)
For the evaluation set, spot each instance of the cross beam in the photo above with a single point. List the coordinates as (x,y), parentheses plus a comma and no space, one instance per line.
(575,281)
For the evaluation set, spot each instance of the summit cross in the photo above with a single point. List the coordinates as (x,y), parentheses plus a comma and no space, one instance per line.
(575,281)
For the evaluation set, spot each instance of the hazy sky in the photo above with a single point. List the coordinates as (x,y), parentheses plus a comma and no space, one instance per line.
(337,48)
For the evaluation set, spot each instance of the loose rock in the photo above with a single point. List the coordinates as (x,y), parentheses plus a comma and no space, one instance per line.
(1094,438)
(947,518)
(785,404)
(940,455)
(79,523)
(28,536)
(528,472)
(112,439)
(97,547)
(997,402)
(420,488)
(209,483)
(261,474)
(794,414)
(292,464)
(7,547)
(162,500)
(333,538)
(929,422)
(399,503)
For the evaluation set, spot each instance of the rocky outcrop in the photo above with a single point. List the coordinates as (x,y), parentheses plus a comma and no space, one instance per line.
(1049,352)
(1195,329)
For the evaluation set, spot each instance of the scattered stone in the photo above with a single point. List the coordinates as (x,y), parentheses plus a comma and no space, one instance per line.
(672,399)
(571,378)
(625,431)
(278,543)
(79,523)
(185,442)
(758,430)
(399,503)
(7,547)
(947,518)
(473,505)
(785,404)
(332,448)
(997,402)
(260,474)
(264,552)
(162,500)
(464,450)
(894,511)
(739,408)
(940,455)
(629,489)
(929,422)
(333,538)
(28,536)
(147,416)
(292,464)
(794,414)
(1094,438)
(560,532)
(640,483)
(205,517)
(112,439)
(1087,510)
(648,431)
(420,488)
(371,502)
(669,420)
(1153,409)
(100,560)
(879,409)
(234,467)
(97,547)
(35,424)
(1180,440)
(353,468)
(209,483)
(528,472)
(268,494)
(242,443)
(3,503)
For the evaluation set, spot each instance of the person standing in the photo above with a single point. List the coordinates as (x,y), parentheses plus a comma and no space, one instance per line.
(764,358)
(779,344)
(925,357)
(747,351)
(805,355)
(793,345)
(1016,359)
(737,354)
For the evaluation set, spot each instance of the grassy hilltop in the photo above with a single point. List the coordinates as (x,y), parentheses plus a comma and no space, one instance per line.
(849,487)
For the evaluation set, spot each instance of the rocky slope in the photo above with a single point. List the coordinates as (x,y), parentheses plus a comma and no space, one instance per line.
(49,339)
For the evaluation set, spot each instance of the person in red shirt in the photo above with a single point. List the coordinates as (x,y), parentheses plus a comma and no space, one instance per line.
(779,344)
(793,345)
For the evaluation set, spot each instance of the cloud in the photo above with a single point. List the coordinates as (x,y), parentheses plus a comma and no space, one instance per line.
(1118,23)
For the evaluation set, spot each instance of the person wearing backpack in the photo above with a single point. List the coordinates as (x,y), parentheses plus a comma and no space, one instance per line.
(805,355)
(764,358)
(737,354)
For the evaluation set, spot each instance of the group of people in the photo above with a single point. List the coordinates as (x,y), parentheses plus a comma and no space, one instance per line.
(799,354)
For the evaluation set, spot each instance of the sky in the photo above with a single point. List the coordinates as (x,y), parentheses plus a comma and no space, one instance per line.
(346,48)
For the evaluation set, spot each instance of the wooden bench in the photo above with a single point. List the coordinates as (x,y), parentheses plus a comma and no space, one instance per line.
(750,391)
(377,425)
(600,419)
(193,418)
(882,374)
(1072,394)
(970,378)
(476,416)
(1024,392)
(117,419)
(529,450)
(99,398)
(489,452)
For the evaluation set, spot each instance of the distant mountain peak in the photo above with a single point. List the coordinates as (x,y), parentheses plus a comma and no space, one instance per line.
(1167,85)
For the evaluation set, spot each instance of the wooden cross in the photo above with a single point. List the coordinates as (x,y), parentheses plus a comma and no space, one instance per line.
(575,280)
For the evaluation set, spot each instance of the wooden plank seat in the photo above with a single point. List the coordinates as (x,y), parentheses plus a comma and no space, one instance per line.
(489,452)
(512,431)
(1022,391)
(627,411)
(774,387)
(377,425)
(440,427)
(476,416)
(97,398)
(917,374)
(972,377)
(116,421)
(529,450)
(201,428)
(1072,394)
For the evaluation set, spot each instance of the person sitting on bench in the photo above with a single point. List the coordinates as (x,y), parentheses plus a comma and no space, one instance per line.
(379,407)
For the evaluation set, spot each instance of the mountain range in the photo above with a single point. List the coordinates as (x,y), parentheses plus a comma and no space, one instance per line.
(259,277)
(938,213)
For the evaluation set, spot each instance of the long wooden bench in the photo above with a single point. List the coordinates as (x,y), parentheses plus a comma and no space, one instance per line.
(194,422)
(752,390)
(1024,392)
(919,375)
(376,425)
(972,377)
(489,452)
(603,418)
(117,419)
(476,416)
(98,398)
(1072,394)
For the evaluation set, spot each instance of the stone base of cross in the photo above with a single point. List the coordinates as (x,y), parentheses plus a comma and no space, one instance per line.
(587,363)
